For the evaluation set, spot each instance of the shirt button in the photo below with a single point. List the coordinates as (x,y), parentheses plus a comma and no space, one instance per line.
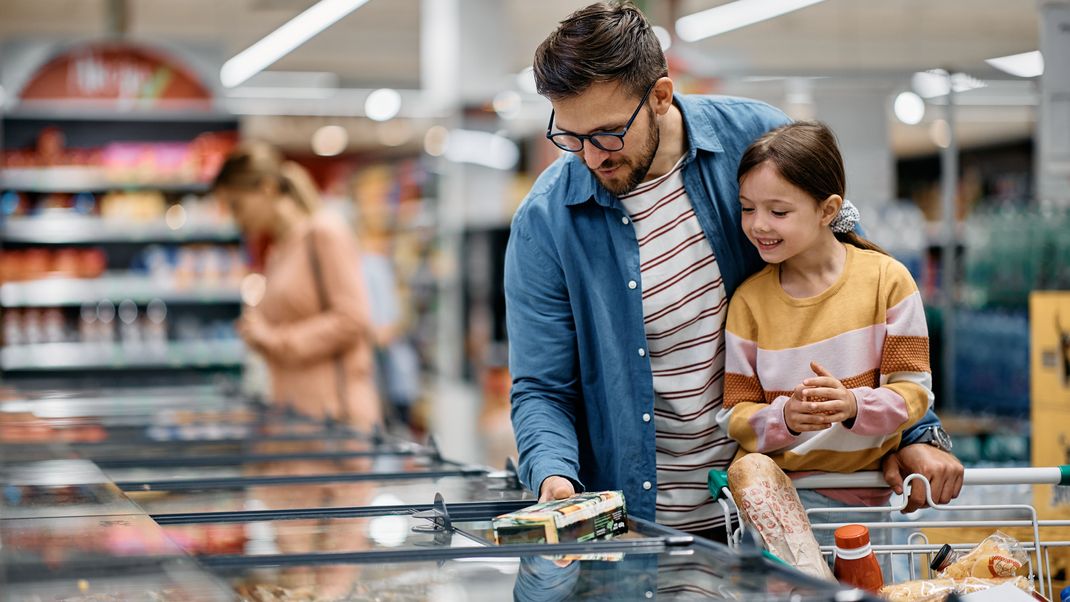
(632,284)
(624,221)
(646,417)
(642,352)
(646,485)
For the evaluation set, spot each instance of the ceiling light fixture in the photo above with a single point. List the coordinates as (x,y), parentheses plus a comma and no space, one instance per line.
(283,40)
(663,36)
(909,108)
(734,15)
(382,104)
(1026,64)
(525,80)
(482,148)
(936,82)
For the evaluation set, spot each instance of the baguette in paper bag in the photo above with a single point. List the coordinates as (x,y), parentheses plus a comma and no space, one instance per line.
(769,503)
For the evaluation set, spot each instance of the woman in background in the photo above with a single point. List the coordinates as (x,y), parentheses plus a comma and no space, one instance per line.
(312,325)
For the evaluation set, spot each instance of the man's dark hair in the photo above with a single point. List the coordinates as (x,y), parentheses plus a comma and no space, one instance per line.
(606,41)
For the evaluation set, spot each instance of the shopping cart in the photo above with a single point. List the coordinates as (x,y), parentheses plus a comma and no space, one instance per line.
(910,560)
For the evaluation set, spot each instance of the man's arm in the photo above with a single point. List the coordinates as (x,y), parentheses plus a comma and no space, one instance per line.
(943,470)
(912,434)
(542,360)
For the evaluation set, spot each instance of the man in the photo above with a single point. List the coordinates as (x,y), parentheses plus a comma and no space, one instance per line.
(620,264)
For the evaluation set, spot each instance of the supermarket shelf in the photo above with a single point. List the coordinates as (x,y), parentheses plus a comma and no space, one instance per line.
(65,292)
(68,229)
(66,110)
(83,179)
(105,356)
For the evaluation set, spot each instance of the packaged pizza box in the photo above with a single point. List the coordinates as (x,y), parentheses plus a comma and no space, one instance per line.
(582,517)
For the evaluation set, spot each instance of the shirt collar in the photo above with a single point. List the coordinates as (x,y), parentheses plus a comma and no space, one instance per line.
(582,186)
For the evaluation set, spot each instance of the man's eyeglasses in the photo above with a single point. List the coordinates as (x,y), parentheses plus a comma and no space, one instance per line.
(607,141)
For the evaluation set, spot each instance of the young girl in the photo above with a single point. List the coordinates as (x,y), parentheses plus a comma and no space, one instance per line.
(827,351)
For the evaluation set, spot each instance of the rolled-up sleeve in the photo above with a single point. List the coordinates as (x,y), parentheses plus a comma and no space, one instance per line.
(542,357)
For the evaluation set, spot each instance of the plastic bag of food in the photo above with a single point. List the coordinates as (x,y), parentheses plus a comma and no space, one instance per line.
(998,555)
(936,590)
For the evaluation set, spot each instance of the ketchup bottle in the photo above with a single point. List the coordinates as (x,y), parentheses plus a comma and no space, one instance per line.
(855,563)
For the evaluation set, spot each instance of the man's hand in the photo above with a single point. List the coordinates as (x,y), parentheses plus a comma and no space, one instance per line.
(942,469)
(555,488)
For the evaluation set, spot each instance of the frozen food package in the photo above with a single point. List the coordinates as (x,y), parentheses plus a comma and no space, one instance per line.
(769,503)
(936,590)
(582,517)
(998,555)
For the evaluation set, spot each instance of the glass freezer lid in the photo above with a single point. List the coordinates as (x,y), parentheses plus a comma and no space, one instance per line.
(248,472)
(689,573)
(376,493)
(234,452)
(167,580)
(313,536)
(287,472)
(82,542)
(59,488)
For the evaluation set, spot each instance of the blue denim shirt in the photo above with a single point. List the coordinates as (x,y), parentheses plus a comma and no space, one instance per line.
(577,344)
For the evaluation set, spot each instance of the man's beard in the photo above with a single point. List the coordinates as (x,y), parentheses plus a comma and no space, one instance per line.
(638,172)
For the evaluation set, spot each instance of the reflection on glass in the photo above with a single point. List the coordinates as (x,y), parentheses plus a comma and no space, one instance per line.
(81,541)
(692,574)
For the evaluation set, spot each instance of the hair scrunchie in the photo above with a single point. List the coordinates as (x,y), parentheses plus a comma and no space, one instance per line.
(846,219)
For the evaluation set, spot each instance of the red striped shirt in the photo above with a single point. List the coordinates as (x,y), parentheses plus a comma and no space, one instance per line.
(684,307)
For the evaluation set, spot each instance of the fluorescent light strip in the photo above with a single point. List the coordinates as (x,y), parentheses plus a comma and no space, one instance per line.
(1026,64)
(734,15)
(283,40)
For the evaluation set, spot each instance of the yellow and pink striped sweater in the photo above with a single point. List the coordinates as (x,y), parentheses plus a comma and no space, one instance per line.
(868,329)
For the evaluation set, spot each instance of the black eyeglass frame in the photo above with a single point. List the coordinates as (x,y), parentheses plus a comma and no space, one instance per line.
(550,134)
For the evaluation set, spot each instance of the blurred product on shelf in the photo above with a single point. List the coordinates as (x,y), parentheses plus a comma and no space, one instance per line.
(899,228)
(51,164)
(992,362)
(104,323)
(135,205)
(191,266)
(1011,252)
(31,264)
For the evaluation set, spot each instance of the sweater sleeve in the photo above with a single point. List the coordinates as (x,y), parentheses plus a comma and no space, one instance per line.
(346,320)
(905,393)
(758,426)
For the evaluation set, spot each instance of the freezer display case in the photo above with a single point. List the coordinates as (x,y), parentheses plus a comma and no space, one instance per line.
(103,557)
(228,499)
(449,552)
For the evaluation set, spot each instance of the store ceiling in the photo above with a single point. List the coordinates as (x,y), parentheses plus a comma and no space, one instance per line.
(379,44)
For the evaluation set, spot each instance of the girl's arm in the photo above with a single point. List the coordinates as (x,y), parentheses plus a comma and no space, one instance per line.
(905,394)
(758,426)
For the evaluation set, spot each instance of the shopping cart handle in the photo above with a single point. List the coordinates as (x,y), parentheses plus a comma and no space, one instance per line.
(717,481)
(1053,475)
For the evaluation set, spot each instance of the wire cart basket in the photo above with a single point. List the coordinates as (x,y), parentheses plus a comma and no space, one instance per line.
(910,557)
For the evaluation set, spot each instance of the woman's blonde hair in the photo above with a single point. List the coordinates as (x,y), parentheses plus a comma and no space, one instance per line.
(252,163)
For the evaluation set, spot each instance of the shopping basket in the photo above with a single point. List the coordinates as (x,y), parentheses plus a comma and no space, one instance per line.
(910,560)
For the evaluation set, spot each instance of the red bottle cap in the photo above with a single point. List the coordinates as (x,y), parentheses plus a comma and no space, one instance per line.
(850,537)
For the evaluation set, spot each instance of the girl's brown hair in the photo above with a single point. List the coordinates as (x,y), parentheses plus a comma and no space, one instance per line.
(253,163)
(805,153)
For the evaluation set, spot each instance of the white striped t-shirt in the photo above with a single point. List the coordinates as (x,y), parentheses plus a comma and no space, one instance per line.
(684,308)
